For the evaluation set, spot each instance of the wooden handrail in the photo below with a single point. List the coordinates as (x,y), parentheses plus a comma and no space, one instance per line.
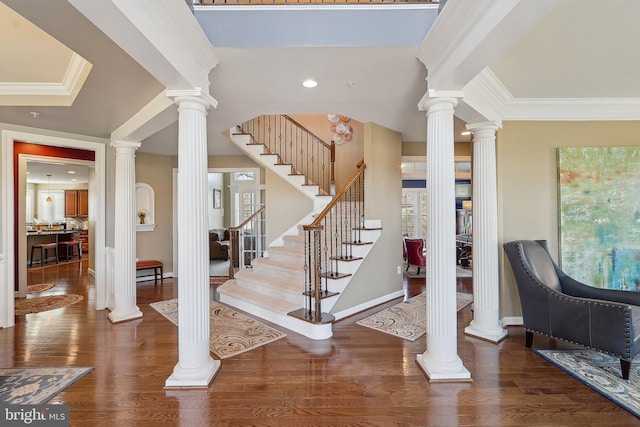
(235,232)
(316,223)
(246,221)
(306,130)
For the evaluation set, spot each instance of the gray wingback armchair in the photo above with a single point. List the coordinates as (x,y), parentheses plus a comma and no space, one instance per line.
(560,307)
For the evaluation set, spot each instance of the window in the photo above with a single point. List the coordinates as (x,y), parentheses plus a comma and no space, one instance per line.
(51,211)
(414,212)
(244,176)
(29,206)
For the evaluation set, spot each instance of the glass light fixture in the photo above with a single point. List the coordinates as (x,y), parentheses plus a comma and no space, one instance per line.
(49,199)
(309,83)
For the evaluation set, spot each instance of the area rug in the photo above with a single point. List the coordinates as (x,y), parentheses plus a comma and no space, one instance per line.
(600,372)
(460,272)
(39,304)
(41,287)
(232,333)
(408,319)
(218,280)
(34,386)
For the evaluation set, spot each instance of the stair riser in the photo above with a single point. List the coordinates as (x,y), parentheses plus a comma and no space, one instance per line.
(287,258)
(265,269)
(313,331)
(297,298)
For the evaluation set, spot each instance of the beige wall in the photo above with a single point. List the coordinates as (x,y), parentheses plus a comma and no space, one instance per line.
(378,276)
(285,205)
(157,171)
(347,154)
(527,182)
(420,149)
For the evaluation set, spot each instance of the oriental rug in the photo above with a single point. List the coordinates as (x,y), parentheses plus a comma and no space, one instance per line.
(601,373)
(39,304)
(232,333)
(407,319)
(41,287)
(218,280)
(34,386)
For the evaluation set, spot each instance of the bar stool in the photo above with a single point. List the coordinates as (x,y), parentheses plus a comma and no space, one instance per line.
(44,252)
(74,245)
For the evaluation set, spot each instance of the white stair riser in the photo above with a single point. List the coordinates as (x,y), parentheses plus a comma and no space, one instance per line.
(310,330)
(278,272)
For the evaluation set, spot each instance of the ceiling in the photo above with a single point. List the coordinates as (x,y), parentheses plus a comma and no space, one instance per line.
(61,173)
(364,60)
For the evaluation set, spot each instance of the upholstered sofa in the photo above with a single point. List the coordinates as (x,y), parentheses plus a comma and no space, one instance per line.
(218,249)
(558,306)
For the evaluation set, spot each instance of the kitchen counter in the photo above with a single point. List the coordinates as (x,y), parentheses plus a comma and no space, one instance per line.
(50,232)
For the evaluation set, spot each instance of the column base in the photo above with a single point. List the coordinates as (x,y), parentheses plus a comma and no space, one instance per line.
(443,372)
(117,317)
(193,378)
(494,335)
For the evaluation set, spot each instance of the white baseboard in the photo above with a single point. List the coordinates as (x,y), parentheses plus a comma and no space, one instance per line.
(91,272)
(512,321)
(366,305)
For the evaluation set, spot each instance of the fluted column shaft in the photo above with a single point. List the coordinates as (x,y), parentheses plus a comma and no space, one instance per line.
(124,274)
(195,367)
(486,288)
(440,361)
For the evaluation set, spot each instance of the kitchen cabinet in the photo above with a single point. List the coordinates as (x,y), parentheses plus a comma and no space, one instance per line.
(84,237)
(76,203)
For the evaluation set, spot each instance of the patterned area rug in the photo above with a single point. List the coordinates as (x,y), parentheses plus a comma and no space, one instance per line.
(407,319)
(218,280)
(232,333)
(34,386)
(601,372)
(41,287)
(460,272)
(36,305)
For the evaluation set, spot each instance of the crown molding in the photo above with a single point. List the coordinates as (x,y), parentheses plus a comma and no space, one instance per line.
(487,95)
(572,109)
(48,94)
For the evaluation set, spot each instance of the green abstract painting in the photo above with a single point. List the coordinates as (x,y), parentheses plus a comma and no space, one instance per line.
(599,207)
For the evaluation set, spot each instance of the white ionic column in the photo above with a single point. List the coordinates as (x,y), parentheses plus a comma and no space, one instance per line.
(486,287)
(440,361)
(195,367)
(124,274)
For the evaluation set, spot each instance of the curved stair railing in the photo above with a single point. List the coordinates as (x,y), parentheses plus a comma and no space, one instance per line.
(330,240)
(246,242)
(296,146)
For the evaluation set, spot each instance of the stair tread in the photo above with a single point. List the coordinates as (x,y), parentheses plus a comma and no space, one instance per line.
(277,305)
(288,286)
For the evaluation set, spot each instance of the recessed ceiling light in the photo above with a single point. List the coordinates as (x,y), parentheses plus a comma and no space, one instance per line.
(309,83)
(72,172)
(465,133)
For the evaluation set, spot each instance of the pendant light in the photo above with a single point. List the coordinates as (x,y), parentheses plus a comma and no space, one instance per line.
(49,200)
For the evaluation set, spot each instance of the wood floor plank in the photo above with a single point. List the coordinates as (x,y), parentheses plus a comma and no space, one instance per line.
(359,377)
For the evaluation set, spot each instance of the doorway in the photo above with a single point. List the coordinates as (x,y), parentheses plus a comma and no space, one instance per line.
(10,193)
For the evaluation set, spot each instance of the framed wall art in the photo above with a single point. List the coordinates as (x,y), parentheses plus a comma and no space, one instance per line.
(599,215)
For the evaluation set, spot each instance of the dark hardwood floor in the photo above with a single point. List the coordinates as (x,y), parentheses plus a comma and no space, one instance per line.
(359,377)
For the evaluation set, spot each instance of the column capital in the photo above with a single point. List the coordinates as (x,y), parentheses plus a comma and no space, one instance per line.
(433,96)
(194,95)
(488,125)
(126,144)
